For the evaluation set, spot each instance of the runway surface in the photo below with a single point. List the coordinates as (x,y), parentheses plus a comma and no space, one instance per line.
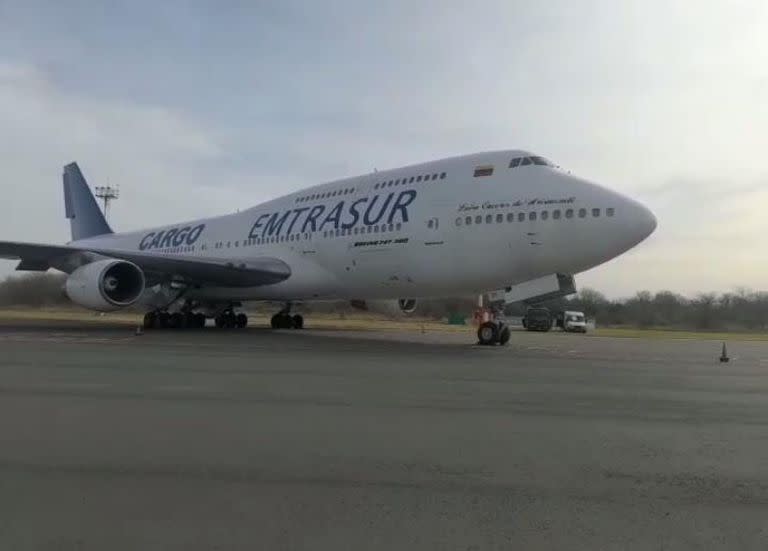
(322,440)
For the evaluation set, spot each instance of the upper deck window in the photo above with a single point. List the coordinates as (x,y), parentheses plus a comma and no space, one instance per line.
(483,171)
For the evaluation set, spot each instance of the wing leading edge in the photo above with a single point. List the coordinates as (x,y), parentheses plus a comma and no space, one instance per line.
(240,272)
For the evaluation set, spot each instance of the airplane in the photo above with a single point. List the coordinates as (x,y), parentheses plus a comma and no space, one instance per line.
(457,226)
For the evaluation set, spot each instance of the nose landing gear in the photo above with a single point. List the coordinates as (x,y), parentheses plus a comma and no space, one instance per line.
(493,332)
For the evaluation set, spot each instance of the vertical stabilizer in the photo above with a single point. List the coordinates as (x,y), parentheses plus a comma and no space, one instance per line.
(85,216)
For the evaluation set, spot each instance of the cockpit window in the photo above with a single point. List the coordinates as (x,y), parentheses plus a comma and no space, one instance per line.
(527,161)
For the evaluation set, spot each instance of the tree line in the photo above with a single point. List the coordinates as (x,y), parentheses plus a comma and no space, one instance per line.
(741,309)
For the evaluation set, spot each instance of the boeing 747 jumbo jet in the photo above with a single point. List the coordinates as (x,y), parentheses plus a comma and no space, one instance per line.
(503,220)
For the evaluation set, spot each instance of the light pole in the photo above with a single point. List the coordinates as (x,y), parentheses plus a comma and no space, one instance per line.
(107,194)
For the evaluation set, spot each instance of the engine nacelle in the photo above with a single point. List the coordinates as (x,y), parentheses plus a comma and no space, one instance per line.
(106,285)
(388,307)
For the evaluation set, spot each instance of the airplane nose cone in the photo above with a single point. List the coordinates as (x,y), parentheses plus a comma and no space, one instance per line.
(645,221)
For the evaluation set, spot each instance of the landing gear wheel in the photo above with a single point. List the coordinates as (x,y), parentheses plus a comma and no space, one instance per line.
(164,319)
(221,321)
(150,320)
(176,321)
(188,320)
(241,320)
(488,334)
(504,335)
(281,321)
(200,320)
(298,321)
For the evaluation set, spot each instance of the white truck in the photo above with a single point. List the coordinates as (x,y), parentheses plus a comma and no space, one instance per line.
(572,321)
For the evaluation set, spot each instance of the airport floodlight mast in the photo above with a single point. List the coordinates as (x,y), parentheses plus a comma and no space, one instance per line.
(107,194)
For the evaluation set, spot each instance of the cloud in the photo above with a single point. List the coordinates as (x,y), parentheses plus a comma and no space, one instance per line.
(200,111)
(158,156)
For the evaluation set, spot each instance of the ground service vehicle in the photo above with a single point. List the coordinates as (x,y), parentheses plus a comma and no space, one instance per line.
(571,321)
(537,319)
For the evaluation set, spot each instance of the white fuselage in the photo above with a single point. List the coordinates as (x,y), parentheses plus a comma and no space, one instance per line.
(442,228)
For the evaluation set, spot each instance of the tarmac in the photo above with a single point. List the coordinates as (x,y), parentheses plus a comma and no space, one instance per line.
(313,439)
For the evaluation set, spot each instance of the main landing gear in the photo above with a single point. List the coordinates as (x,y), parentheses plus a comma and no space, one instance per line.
(163,319)
(493,332)
(284,320)
(187,318)
(228,319)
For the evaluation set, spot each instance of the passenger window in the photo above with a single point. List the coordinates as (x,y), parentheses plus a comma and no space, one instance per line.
(556,214)
(544,215)
(418,178)
(511,217)
(525,162)
(434,176)
(431,224)
(582,213)
(521,217)
(609,211)
(595,213)
(468,220)
(411,180)
(478,219)
(442,175)
(569,213)
(458,221)
(499,218)
(514,163)
(483,171)
(489,219)
(531,216)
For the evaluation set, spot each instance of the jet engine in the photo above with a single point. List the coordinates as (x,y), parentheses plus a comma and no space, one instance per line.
(106,285)
(388,307)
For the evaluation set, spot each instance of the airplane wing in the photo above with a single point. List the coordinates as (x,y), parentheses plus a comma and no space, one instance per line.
(223,272)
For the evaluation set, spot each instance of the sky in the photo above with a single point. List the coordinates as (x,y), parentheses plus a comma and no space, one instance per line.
(202,108)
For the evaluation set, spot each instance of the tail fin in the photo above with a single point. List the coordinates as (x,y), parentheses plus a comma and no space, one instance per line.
(85,216)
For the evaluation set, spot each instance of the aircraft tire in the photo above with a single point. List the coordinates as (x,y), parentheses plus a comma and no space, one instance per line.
(298,321)
(241,320)
(176,321)
(504,335)
(487,334)
(150,320)
(163,319)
